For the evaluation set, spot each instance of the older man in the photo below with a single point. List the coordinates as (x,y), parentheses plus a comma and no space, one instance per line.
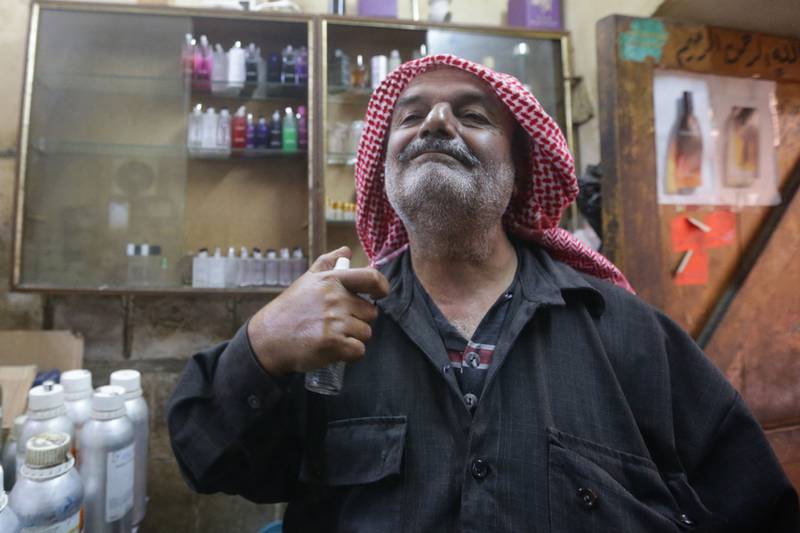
(507,379)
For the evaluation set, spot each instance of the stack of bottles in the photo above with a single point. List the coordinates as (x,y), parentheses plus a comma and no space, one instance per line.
(343,73)
(146,265)
(78,456)
(219,134)
(340,211)
(256,269)
(229,73)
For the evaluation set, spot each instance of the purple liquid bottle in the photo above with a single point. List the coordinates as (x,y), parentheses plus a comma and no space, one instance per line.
(301,66)
(262,133)
(250,132)
(274,67)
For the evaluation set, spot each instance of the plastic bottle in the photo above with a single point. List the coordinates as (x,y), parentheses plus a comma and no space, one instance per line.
(107,463)
(224,131)
(194,132)
(9,523)
(250,132)
(10,453)
(259,268)
(210,123)
(394,60)
(200,269)
(251,64)
(262,133)
(237,73)
(289,131)
(379,68)
(274,68)
(302,128)
(216,270)
(301,66)
(48,494)
(231,268)
(46,414)
(239,129)
(298,263)
(78,401)
(275,131)
(243,270)
(288,65)
(187,55)
(139,415)
(219,70)
(271,268)
(285,268)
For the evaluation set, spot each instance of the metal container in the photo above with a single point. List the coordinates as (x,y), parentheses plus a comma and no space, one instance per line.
(138,413)
(9,523)
(48,493)
(46,414)
(78,400)
(10,453)
(107,461)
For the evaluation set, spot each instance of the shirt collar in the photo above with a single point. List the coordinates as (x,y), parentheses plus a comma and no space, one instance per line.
(543,280)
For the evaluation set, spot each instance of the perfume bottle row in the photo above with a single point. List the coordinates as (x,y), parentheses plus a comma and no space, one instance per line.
(220,70)
(247,269)
(146,265)
(340,211)
(212,132)
(344,73)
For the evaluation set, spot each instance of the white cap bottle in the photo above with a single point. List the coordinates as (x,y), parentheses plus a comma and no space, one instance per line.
(46,414)
(394,60)
(77,395)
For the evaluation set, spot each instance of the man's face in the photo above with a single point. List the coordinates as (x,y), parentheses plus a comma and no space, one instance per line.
(449,149)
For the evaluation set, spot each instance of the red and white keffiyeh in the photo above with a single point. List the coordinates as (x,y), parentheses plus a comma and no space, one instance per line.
(535,208)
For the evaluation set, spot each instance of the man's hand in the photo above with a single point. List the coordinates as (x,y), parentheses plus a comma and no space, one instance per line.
(319,319)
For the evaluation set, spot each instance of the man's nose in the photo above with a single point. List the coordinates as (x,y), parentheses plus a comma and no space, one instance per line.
(440,122)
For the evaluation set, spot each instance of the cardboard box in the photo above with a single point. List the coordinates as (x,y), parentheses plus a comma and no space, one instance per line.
(23,353)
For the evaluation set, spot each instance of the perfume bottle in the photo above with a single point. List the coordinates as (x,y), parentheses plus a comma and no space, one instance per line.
(262,133)
(187,55)
(271,268)
(358,74)
(274,68)
(237,73)
(224,130)
(219,70)
(239,129)
(209,136)
(250,132)
(302,128)
(288,68)
(203,63)
(685,152)
(741,147)
(339,69)
(275,131)
(251,64)
(394,60)
(289,136)
(301,66)
(194,135)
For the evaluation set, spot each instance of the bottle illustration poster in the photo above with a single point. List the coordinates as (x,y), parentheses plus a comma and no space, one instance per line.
(715,142)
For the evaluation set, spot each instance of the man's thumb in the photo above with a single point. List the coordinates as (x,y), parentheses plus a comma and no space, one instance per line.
(328,261)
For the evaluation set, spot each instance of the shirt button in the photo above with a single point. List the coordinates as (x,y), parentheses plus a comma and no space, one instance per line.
(685,520)
(254,401)
(473,359)
(479,469)
(471,400)
(588,498)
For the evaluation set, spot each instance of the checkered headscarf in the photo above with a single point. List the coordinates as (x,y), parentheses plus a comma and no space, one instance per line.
(537,204)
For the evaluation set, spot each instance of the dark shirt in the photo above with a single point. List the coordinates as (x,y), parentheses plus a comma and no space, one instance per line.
(470,359)
(598,413)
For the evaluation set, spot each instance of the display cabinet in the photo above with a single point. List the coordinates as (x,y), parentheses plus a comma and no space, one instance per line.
(120,185)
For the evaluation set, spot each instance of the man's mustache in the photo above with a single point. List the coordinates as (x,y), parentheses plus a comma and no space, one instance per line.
(454,148)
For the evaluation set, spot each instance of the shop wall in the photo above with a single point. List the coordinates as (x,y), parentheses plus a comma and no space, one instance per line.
(164,332)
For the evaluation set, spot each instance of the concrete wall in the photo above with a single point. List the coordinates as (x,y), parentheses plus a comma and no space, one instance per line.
(166,331)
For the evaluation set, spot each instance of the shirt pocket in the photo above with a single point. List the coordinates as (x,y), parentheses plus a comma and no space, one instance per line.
(594,488)
(359,451)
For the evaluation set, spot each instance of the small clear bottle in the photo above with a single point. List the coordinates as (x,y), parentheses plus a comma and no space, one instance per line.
(231,268)
(259,268)
(299,264)
(216,270)
(271,268)
(288,65)
(200,269)
(285,268)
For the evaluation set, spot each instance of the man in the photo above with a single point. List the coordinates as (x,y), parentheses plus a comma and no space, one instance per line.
(506,380)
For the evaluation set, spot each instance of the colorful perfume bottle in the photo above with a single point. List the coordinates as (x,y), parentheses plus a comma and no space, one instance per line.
(187,55)
(289,134)
(288,68)
(741,147)
(250,132)
(358,74)
(685,152)
(239,129)
(275,132)
(262,133)
(251,64)
(274,68)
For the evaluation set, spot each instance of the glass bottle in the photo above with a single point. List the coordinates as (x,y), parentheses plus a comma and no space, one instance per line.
(262,133)
(275,132)
(274,68)
(289,133)
(301,66)
(358,74)
(302,128)
(685,152)
(741,147)
(288,68)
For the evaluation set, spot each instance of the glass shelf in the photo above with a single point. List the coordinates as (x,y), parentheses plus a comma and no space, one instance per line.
(77,148)
(341,94)
(166,86)
(335,158)
(335,222)
(244,153)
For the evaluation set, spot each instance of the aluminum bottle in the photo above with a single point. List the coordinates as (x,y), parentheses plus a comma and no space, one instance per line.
(48,494)
(10,453)
(139,415)
(46,414)
(78,400)
(9,523)
(107,459)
